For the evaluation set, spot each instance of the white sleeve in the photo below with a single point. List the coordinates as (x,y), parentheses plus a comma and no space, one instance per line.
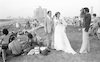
(64,22)
(55,22)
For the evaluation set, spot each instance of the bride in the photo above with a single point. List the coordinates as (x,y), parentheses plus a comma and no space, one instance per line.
(61,41)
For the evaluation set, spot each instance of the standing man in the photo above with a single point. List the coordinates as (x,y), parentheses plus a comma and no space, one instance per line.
(49,29)
(86,25)
(94,25)
(94,19)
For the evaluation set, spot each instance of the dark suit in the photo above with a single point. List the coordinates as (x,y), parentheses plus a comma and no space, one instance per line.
(86,25)
(86,22)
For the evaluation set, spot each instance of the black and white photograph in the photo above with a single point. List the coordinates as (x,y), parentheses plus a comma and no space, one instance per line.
(49,31)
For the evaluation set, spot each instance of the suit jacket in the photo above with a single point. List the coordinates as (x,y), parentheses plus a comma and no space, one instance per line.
(48,25)
(86,22)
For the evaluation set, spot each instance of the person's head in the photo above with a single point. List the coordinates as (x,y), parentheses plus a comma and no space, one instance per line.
(5,31)
(57,14)
(36,21)
(26,32)
(12,37)
(82,13)
(30,36)
(86,10)
(49,13)
(94,15)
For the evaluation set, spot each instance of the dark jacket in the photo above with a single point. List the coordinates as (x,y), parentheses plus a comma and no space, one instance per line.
(86,22)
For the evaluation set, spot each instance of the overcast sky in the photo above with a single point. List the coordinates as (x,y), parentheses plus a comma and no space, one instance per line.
(25,8)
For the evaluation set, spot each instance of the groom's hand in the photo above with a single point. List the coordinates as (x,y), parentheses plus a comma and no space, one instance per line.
(86,29)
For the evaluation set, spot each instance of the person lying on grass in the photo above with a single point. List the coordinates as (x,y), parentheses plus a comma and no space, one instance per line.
(32,42)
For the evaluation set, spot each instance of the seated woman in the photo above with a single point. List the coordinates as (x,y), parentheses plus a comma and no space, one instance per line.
(15,47)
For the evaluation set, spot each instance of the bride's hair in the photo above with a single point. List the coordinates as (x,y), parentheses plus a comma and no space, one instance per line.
(57,13)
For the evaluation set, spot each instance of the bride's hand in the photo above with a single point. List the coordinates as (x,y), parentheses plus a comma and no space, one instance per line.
(56,23)
(65,30)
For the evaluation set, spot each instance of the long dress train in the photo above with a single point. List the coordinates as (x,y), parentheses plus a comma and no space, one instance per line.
(61,41)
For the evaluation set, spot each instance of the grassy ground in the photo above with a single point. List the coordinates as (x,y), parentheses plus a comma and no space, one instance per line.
(75,37)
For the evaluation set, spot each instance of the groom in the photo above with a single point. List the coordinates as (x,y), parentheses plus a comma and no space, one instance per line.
(86,25)
(49,29)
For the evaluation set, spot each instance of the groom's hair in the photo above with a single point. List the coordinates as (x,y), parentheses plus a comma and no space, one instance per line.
(48,12)
(86,9)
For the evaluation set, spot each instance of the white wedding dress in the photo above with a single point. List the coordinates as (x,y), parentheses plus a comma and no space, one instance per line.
(61,41)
